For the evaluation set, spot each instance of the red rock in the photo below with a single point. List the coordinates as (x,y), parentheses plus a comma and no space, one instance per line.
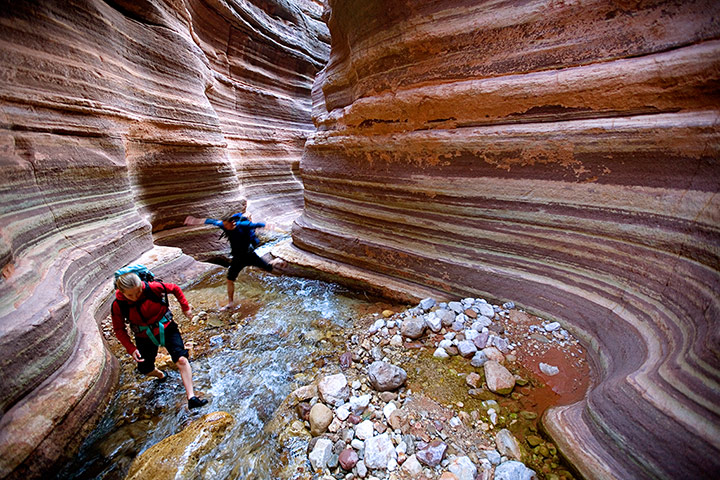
(348,459)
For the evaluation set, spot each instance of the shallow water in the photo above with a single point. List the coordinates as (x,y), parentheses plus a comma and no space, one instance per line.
(245,366)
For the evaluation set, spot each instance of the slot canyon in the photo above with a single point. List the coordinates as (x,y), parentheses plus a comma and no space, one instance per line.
(560,154)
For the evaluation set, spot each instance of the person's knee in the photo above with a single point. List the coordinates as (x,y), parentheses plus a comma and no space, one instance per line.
(182,361)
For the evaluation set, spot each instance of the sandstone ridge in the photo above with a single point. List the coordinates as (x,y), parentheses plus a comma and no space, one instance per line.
(560,155)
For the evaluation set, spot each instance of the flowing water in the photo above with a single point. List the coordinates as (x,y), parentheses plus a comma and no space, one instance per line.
(245,364)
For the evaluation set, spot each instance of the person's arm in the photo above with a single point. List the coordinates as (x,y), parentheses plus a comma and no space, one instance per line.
(190,220)
(177,291)
(120,330)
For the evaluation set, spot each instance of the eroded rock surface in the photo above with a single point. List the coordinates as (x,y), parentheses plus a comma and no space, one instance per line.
(118,119)
(561,155)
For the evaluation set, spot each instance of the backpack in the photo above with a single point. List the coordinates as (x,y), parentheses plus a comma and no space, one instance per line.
(146,276)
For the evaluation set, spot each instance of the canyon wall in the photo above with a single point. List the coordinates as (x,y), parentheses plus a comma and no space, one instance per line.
(118,119)
(559,154)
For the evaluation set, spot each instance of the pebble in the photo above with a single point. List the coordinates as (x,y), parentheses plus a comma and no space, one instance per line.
(549,369)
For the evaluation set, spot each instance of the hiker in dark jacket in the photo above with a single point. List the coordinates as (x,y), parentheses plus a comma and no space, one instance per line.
(141,305)
(240,232)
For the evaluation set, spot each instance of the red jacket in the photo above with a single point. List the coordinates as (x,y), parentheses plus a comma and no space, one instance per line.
(150,312)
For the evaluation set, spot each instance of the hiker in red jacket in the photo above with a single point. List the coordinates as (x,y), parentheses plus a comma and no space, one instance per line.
(144,305)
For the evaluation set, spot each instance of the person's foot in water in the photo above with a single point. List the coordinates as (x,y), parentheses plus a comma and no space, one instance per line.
(196,402)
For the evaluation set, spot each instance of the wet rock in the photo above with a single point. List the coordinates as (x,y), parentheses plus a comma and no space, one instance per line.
(432,454)
(513,470)
(179,454)
(498,378)
(494,354)
(348,458)
(320,418)
(533,440)
(384,376)
(473,379)
(463,468)
(334,389)
(303,410)
(346,360)
(305,393)
(379,452)
(507,445)
(320,455)
(413,328)
(549,369)
(479,359)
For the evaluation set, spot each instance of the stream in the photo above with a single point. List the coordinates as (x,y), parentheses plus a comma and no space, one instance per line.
(245,362)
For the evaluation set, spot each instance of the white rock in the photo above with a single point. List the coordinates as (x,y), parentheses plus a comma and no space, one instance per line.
(334,389)
(343,412)
(467,348)
(427,303)
(412,466)
(376,326)
(507,445)
(320,454)
(357,444)
(549,369)
(456,307)
(389,409)
(463,468)
(445,344)
(401,447)
(364,430)
(449,335)
(552,326)
(379,451)
(358,404)
(471,334)
(433,323)
(396,340)
(487,310)
(440,353)
(356,384)
(513,470)
(361,469)
(455,422)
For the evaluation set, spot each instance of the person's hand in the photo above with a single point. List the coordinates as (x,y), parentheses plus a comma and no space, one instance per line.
(190,220)
(136,356)
(188,312)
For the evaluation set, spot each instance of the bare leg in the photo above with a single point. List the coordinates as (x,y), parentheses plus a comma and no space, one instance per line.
(186,375)
(231,293)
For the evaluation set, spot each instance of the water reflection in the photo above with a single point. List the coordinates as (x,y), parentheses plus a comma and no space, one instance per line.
(246,365)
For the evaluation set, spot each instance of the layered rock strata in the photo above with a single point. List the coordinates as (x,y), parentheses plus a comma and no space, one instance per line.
(118,119)
(562,155)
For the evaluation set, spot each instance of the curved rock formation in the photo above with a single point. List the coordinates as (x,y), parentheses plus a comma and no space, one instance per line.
(563,155)
(118,119)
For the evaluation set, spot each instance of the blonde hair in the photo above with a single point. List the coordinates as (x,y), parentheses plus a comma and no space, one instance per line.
(127,282)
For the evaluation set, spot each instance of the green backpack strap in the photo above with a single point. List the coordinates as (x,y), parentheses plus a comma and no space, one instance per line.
(161,328)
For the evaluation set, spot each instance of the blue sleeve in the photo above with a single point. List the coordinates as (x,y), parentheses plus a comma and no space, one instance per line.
(248,224)
(212,221)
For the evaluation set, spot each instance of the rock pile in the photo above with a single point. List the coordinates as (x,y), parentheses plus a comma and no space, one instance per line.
(369,424)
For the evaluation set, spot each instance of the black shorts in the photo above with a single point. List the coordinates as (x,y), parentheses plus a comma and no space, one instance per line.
(248,259)
(148,350)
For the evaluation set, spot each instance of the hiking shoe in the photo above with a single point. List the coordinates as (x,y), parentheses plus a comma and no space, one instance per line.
(196,402)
